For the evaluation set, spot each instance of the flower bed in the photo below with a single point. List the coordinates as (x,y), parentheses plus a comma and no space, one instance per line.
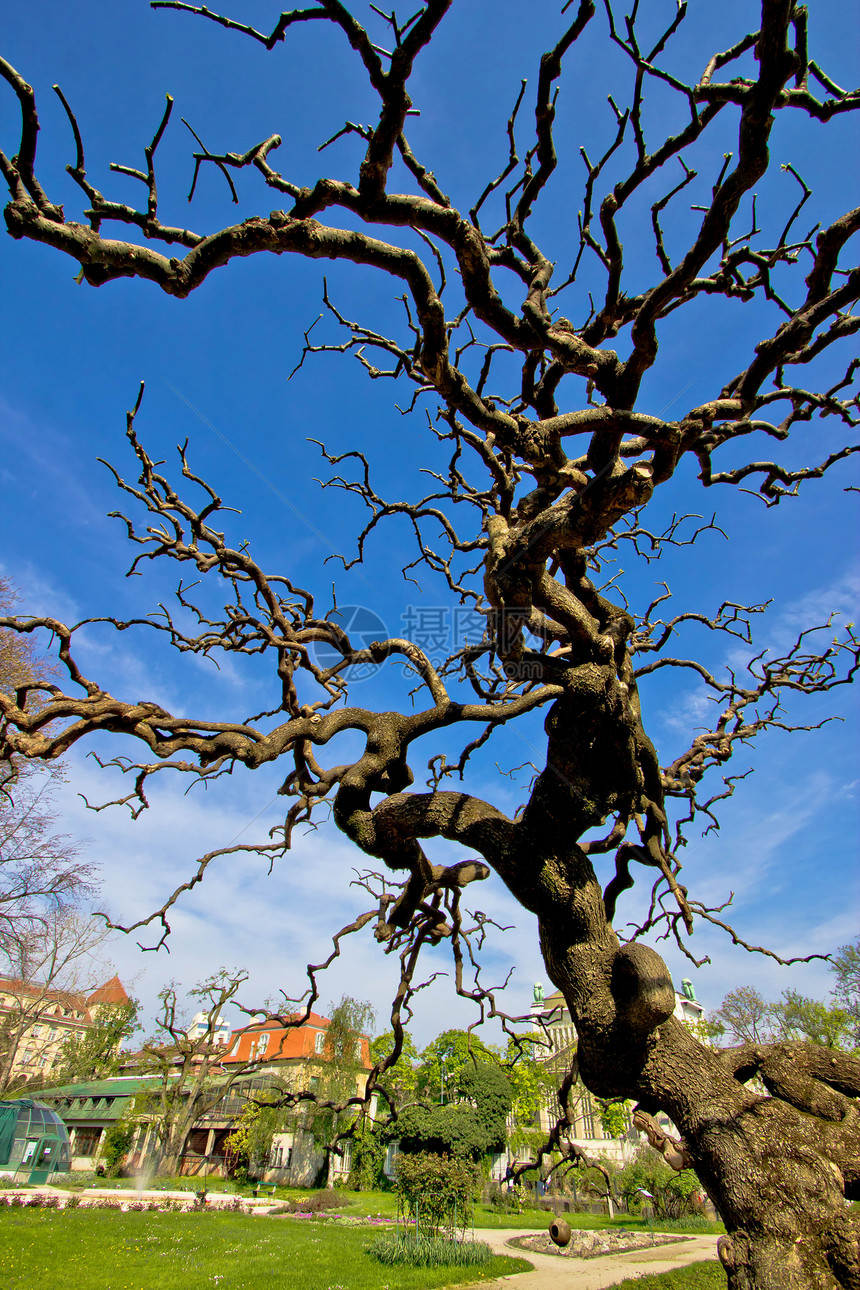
(594,1244)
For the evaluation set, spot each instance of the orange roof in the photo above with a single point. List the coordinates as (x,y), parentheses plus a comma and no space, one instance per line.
(47,996)
(112,991)
(285,1043)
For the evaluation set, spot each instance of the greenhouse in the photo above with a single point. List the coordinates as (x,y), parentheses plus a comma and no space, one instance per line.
(34,1142)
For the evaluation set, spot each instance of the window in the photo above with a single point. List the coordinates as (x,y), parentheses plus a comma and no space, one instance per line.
(262,1043)
(36,1032)
(319,1042)
(86,1142)
(358,1050)
(52,1033)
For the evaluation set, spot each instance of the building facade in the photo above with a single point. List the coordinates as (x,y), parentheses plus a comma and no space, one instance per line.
(251,1062)
(37,1020)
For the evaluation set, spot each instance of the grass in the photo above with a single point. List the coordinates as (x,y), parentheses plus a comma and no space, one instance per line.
(369,1204)
(488,1217)
(90,1249)
(406,1249)
(696,1276)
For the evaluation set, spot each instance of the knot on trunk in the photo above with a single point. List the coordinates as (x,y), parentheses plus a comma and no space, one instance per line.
(642,989)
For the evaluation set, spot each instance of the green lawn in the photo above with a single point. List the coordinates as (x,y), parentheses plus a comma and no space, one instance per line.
(361,1204)
(696,1276)
(93,1249)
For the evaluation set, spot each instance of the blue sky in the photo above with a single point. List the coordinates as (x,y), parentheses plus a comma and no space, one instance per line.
(216,368)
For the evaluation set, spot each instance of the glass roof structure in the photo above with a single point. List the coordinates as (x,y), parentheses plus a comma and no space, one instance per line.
(34,1141)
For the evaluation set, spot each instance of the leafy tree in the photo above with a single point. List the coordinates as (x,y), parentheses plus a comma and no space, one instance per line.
(369,1150)
(488,1089)
(614,1117)
(116,1144)
(401,1079)
(95,1054)
(747,1017)
(846,968)
(339,1076)
(251,1137)
(676,1194)
(446,1058)
(533,1082)
(544,389)
(469,1128)
(799,1017)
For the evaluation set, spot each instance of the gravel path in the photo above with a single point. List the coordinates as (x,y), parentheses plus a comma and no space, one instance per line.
(554,1273)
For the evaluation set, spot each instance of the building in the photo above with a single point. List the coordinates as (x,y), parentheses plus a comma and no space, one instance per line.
(273,1042)
(294,1058)
(261,1057)
(89,1108)
(36,1021)
(34,1144)
(688,1009)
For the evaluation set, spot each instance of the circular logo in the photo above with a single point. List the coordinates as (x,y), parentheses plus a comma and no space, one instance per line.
(362,626)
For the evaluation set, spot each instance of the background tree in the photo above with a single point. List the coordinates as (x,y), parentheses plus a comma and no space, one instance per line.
(846,968)
(95,1054)
(57,959)
(401,1078)
(444,1061)
(191,1079)
(750,1018)
(471,1123)
(553,444)
(533,1081)
(675,1194)
(40,869)
(338,1079)
(116,1144)
(250,1140)
(746,1015)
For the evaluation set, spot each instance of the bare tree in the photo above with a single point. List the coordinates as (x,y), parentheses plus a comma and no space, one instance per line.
(49,968)
(187,1061)
(40,869)
(551,453)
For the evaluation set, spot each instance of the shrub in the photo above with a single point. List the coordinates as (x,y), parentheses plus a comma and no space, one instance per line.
(317,1204)
(511,1200)
(418,1250)
(368,1158)
(116,1145)
(676,1195)
(436,1191)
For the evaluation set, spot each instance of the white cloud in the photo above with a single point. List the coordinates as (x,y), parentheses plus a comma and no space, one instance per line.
(271,925)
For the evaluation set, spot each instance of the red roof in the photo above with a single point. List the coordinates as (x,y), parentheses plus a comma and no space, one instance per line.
(112,991)
(49,998)
(285,1043)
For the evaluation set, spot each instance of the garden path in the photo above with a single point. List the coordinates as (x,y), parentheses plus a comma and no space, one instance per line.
(552,1272)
